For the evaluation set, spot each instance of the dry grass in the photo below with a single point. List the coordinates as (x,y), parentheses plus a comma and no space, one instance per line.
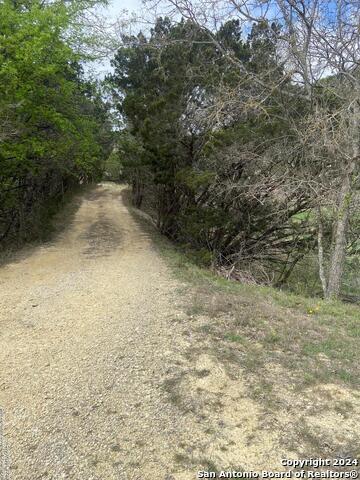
(299,357)
(312,339)
(270,374)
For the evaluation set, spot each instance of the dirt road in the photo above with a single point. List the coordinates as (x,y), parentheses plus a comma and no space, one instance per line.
(87,339)
(105,371)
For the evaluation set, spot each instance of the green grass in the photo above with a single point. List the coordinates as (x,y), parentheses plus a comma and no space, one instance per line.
(278,342)
(311,339)
(233,337)
(274,325)
(333,348)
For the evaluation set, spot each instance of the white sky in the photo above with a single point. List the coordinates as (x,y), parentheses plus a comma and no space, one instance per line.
(118,5)
(118,10)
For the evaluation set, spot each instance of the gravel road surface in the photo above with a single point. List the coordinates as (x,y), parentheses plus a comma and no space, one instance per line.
(87,339)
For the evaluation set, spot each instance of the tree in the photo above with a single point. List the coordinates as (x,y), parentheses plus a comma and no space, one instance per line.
(314,40)
(54,127)
(205,155)
(152,75)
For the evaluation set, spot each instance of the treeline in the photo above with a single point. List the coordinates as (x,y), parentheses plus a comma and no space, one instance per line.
(235,153)
(54,127)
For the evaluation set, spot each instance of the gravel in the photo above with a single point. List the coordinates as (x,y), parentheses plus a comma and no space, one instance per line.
(87,340)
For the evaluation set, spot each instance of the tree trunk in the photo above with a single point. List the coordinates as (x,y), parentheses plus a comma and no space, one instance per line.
(339,244)
(137,191)
(321,253)
(341,224)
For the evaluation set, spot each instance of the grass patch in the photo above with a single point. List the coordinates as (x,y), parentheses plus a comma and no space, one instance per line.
(194,308)
(182,459)
(171,387)
(272,338)
(208,465)
(333,348)
(315,341)
(272,325)
(284,345)
(233,337)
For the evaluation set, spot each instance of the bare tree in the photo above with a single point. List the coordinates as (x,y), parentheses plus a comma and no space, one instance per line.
(319,49)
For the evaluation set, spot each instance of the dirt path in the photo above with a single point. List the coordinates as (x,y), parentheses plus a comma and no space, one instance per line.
(86,342)
(106,372)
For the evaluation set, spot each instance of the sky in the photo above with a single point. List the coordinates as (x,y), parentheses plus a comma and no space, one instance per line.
(118,5)
(117,10)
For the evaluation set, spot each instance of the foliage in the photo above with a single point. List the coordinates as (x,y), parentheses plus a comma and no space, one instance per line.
(218,173)
(54,131)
